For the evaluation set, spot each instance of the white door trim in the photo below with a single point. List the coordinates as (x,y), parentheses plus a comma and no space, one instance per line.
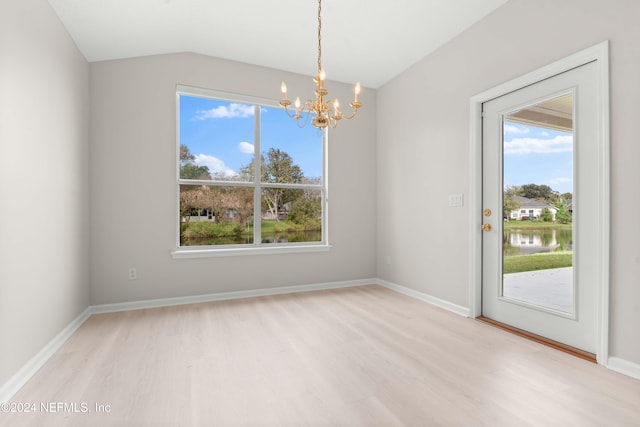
(599,53)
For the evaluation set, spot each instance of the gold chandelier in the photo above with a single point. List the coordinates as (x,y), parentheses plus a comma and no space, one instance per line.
(327,113)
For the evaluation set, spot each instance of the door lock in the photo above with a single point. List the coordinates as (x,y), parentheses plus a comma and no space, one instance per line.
(487,212)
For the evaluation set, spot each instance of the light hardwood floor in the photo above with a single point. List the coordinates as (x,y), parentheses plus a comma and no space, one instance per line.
(363,356)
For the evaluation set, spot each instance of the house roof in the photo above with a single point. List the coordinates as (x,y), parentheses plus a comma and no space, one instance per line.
(532,204)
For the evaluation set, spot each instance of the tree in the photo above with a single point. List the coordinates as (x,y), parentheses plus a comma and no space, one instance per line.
(185,155)
(541,193)
(191,196)
(278,167)
(563,215)
(509,202)
(240,200)
(306,210)
(188,169)
(546,215)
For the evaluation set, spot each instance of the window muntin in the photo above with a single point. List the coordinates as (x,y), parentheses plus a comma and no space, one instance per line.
(220,195)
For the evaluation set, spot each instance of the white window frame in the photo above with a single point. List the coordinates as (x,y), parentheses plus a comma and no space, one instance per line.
(257,247)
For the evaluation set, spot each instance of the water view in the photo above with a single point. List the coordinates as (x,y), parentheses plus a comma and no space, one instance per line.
(273,237)
(531,241)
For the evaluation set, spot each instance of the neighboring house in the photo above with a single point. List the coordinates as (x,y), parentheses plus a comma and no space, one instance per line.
(531,209)
(283,213)
(207,214)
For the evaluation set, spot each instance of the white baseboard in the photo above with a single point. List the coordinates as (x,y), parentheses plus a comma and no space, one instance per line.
(167,302)
(11,387)
(15,383)
(449,306)
(624,367)
(20,378)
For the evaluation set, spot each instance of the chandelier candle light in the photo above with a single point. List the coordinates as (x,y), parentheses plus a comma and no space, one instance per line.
(327,113)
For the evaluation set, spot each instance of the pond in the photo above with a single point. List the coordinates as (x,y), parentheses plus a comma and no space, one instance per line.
(530,241)
(275,237)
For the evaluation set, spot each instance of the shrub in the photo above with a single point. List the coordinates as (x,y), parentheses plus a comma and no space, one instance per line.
(205,229)
(306,213)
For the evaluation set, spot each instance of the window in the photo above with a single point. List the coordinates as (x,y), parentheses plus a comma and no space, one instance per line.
(248,177)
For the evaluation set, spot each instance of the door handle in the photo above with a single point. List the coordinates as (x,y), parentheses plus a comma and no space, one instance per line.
(486,227)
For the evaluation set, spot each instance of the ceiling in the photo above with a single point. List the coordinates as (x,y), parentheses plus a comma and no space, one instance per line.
(555,113)
(370,41)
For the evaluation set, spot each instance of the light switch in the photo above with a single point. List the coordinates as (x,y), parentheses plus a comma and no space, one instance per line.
(455,200)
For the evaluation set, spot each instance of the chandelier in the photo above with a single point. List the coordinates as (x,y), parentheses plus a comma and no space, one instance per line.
(327,113)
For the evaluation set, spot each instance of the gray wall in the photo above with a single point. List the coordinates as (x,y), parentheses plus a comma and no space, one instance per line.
(133,190)
(423,148)
(393,199)
(44,233)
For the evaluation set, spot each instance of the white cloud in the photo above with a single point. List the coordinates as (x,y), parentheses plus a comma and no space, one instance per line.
(215,165)
(560,180)
(245,147)
(514,129)
(231,111)
(559,144)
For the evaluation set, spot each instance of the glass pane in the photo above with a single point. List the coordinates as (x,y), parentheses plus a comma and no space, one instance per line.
(538,205)
(290,215)
(216,139)
(291,154)
(215,215)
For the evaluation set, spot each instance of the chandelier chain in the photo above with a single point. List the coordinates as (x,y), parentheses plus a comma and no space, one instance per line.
(325,112)
(319,37)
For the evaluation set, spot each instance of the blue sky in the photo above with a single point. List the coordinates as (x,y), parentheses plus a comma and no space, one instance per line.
(221,135)
(534,155)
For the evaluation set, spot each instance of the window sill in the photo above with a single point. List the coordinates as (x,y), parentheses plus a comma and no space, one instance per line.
(186,253)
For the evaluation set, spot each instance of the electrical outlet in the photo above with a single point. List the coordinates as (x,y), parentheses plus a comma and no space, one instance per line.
(133,273)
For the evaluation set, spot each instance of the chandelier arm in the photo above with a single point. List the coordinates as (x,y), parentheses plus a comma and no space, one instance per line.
(355,111)
(307,106)
(333,122)
(286,110)
(306,119)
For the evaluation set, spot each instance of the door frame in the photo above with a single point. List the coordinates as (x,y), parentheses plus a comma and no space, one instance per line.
(600,54)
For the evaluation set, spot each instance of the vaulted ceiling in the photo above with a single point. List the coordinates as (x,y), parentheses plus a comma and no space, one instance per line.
(370,41)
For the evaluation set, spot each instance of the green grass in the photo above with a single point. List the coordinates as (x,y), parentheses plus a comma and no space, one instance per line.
(284,226)
(541,261)
(534,225)
(207,229)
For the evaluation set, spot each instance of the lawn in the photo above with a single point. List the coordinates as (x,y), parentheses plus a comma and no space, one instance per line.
(540,261)
(535,225)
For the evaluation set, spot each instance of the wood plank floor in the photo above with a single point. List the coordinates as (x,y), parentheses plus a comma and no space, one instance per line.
(363,356)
